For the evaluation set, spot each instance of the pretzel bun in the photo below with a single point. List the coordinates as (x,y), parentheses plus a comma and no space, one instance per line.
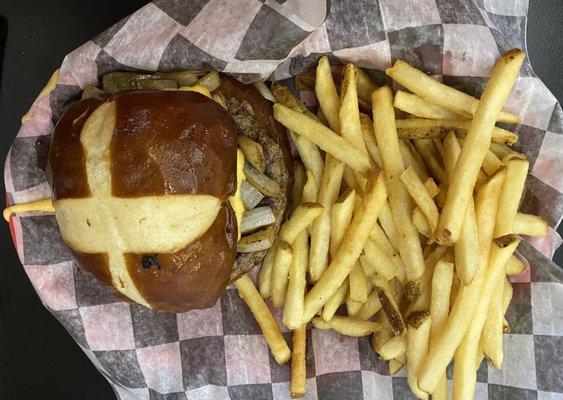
(141,184)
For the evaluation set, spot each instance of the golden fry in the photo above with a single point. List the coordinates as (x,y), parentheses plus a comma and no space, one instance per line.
(347,326)
(323,137)
(320,230)
(414,128)
(476,145)
(418,333)
(516,172)
(298,362)
(388,142)
(297,283)
(264,318)
(467,297)
(325,89)
(350,248)
(416,105)
(452,99)
(280,272)
(531,225)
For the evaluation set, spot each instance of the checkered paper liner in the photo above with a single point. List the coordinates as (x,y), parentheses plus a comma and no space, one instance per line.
(219,353)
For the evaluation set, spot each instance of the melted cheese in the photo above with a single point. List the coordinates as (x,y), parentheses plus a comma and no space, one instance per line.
(236,201)
(40,205)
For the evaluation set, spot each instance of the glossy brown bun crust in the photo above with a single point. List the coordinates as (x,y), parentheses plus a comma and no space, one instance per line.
(167,144)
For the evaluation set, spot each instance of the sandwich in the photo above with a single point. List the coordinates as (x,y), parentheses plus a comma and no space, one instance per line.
(167,192)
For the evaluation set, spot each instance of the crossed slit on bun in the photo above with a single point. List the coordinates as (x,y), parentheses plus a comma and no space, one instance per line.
(142,182)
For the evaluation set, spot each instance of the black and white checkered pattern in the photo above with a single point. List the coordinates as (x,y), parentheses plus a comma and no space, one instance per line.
(219,353)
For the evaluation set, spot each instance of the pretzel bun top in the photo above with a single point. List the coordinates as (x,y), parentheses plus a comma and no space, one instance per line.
(141,183)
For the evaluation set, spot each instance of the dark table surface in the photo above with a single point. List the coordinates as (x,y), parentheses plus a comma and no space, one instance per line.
(38,359)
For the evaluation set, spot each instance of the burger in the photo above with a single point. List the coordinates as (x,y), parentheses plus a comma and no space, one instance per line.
(167,191)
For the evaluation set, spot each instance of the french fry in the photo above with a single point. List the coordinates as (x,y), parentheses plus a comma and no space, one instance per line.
(299,179)
(378,235)
(506,296)
(418,333)
(369,140)
(280,272)
(393,348)
(421,223)
(349,115)
(341,216)
(516,172)
(351,182)
(265,277)
(311,189)
(358,291)
(430,155)
(439,309)
(502,150)
(377,341)
(284,96)
(514,266)
(491,163)
(365,85)
(320,230)
(531,225)
(491,337)
(431,187)
(443,348)
(451,154)
(264,318)
(476,145)
(350,248)
(326,139)
(414,128)
(352,307)
(308,151)
(386,220)
(310,155)
(370,307)
(439,146)
(389,305)
(388,142)
(423,300)
(321,117)
(347,326)
(297,284)
(412,158)
(298,362)
(396,364)
(466,247)
(338,298)
(376,261)
(325,89)
(253,152)
(435,92)
(421,197)
(303,215)
(465,370)
(416,105)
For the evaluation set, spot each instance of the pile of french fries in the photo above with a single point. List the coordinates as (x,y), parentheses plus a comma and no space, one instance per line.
(410,223)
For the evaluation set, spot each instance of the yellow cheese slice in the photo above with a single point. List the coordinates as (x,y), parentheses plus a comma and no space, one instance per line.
(40,205)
